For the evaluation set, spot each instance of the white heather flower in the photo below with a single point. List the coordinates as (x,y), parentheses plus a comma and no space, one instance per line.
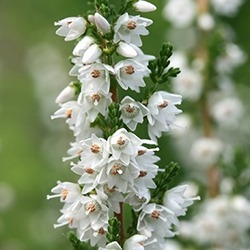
(111,196)
(144,6)
(83,45)
(67,191)
(101,23)
(156,219)
(226,7)
(232,58)
(130,73)
(162,113)
(94,103)
(206,151)
(176,200)
(188,84)
(132,112)
(71,27)
(111,246)
(94,213)
(126,50)
(77,61)
(96,75)
(135,242)
(66,94)
(129,28)
(180,13)
(92,54)
(94,152)
(206,21)
(119,175)
(228,111)
(68,110)
(123,145)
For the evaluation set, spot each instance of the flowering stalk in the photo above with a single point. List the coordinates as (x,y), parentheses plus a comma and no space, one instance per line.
(114,165)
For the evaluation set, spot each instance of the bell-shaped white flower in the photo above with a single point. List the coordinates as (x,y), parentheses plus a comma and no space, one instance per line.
(138,201)
(96,75)
(156,219)
(144,6)
(101,23)
(92,54)
(132,112)
(67,191)
(68,110)
(176,200)
(94,103)
(135,242)
(66,94)
(226,7)
(83,45)
(123,145)
(129,28)
(162,112)
(71,27)
(130,73)
(126,50)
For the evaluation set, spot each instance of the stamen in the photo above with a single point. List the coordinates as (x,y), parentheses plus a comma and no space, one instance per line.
(95,148)
(155,214)
(131,25)
(163,105)
(96,73)
(68,112)
(129,70)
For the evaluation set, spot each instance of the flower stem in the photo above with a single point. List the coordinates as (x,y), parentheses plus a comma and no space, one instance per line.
(203,53)
(120,218)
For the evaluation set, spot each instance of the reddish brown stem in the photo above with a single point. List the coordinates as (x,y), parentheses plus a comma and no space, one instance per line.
(120,218)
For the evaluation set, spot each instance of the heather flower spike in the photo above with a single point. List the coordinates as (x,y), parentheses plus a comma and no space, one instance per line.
(113,164)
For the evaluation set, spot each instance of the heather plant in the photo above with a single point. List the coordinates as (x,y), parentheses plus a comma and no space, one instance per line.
(117,171)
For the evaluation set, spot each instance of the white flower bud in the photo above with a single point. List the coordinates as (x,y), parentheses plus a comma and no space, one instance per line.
(101,23)
(91,19)
(66,94)
(83,45)
(91,54)
(126,50)
(144,6)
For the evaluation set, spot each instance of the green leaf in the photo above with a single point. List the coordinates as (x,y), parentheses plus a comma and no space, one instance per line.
(162,181)
(113,230)
(77,244)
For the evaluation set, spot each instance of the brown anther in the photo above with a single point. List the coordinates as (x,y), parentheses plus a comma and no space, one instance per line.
(121,141)
(129,70)
(142,173)
(115,169)
(89,170)
(69,22)
(95,73)
(141,243)
(131,25)
(95,148)
(95,97)
(163,105)
(91,207)
(64,194)
(101,231)
(130,109)
(70,220)
(111,190)
(141,152)
(68,112)
(155,214)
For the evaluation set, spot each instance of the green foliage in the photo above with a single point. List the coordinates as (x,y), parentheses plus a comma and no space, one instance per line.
(113,230)
(77,244)
(160,73)
(110,124)
(132,228)
(162,181)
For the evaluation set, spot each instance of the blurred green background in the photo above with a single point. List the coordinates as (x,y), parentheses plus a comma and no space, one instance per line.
(33,69)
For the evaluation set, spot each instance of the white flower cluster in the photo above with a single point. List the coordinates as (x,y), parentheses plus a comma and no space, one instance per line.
(119,168)
(224,107)
(222,221)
